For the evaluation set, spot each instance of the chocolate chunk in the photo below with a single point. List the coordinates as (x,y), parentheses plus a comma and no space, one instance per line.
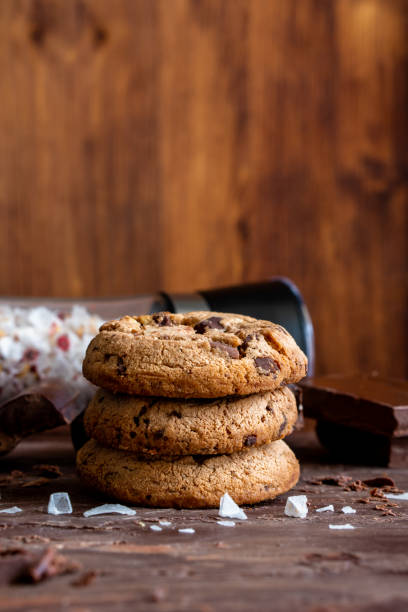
(283,425)
(369,403)
(132,434)
(352,445)
(250,440)
(244,346)
(158,434)
(266,365)
(121,368)
(270,409)
(210,323)
(226,348)
(162,319)
(176,414)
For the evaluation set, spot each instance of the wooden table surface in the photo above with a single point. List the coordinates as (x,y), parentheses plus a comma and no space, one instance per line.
(270,562)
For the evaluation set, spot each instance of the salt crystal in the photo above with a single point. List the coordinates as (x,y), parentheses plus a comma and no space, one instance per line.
(187,530)
(59,504)
(346,526)
(226,523)
(229,509)
(401,496)
(12,510)
(296,506)
(110,509)
(165,523)
(155,528)
(348,510)
(329,508)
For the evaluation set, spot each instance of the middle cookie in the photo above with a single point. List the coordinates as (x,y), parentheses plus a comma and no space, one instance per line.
(167,427)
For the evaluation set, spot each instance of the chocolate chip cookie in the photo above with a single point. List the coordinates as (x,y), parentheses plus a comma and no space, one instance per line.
(189,482)
(196,354)
(168,427)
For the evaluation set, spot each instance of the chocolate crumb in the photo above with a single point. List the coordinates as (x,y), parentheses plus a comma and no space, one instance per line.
(379,481)
(85,579)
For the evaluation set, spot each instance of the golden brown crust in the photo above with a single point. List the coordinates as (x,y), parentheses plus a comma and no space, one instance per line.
(248,476)
(167,427)
(197,354)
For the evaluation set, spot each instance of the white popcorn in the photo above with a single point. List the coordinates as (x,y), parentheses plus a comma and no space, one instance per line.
(329,508)
(59,503)
(12,510)
(346,526)
(186,530)
(155,528)
(229,509)
(226,523)
(296,506)
(110,509)
(348,510)
(400,496)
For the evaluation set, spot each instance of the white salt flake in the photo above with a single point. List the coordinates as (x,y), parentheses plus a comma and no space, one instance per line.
(346,526)
(186,530)
(59,503)
(348,510)
(226,523)
(110,509)
(229,509)
(165,523)
(296,506)
(155,528)
(329,508)
(401,496)
(12,510)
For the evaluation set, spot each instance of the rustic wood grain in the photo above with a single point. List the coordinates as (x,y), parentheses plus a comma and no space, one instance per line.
(196,143)
(269,562)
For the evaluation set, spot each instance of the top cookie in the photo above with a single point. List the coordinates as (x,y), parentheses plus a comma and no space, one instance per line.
(195,354)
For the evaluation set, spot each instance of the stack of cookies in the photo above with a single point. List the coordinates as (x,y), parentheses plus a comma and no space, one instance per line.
(191,406)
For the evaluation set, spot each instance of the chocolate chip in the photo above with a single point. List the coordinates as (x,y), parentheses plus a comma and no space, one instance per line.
(270,409)
(121,368)
(250,440)
(162,319)
(176,414)
(158,434)
(100,400)
(244,346)
(226,348)
(266,365)
(132,434)
(282,425)
(210,323)
(146,421)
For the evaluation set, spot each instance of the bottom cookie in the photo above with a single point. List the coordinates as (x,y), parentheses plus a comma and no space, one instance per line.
(195,481)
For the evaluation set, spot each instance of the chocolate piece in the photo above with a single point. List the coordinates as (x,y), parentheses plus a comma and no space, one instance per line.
(250,440)
(266,365)
(39,408)
(226,348)
(210,323)
(162,319)
(368,403)
(351,445)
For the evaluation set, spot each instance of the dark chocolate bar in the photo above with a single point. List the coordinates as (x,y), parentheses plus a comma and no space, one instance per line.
(350,445)
(368,403)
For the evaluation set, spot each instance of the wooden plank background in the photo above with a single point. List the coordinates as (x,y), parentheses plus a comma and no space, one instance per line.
(185,144)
